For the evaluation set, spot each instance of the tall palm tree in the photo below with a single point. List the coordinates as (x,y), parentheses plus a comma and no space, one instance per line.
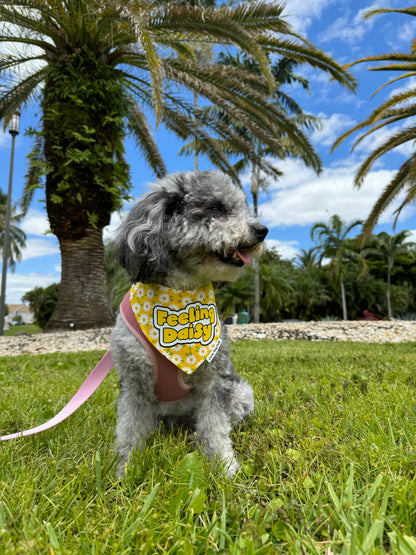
(97,67)
(387,247)
(397,108)
(17,235)
(333,245)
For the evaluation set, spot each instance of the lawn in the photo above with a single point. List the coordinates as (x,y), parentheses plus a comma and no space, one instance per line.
(328,461)
(30,329)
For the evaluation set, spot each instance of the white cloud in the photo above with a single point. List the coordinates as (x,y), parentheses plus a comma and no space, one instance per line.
(39,247)
(351,28)
(412,236)
(300,13)
(35,223)
(333,126)
(302,198)
(286,249)
(110,231)
(19,284)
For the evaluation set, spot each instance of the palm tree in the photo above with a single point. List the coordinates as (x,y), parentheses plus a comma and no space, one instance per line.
(399,107)
(387,247)
(307,259)
(333,245)
(97,67)
(17,235)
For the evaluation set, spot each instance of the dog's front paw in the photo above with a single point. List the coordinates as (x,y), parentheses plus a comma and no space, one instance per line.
(231,468)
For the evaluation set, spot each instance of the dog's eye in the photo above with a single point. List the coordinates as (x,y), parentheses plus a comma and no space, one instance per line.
(217,208)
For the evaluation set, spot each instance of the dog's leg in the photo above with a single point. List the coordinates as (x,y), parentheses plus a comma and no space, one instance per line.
(242,401)
(213,424)
(136,420)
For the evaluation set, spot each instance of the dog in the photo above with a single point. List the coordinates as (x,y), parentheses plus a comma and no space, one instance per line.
(190,230)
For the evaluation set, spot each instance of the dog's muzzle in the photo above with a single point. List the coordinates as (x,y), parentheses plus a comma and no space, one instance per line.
(260,231)
(241,255)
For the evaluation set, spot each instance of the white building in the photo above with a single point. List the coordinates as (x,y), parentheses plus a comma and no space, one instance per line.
(19,313)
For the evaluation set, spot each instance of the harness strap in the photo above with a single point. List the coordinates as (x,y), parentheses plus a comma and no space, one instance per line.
(169,383)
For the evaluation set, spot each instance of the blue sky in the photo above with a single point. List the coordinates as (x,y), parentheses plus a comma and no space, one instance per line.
(297,200)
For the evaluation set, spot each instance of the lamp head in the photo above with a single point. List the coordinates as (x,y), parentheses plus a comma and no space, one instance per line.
(14,123)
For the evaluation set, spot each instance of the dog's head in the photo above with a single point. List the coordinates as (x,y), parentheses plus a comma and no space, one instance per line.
(191,229)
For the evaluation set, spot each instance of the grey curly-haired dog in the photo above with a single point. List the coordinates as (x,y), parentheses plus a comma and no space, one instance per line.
(189,230)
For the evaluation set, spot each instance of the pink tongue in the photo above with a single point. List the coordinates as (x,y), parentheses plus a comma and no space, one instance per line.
(243,256)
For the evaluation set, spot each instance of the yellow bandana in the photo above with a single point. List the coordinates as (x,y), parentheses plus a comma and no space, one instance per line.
(183,325)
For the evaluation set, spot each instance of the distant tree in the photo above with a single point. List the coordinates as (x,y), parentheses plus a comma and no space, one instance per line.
(399,108)
(42,302)
(307,258)
(332,244)
(388,247)
(311,293)
(234,297)
(17,235)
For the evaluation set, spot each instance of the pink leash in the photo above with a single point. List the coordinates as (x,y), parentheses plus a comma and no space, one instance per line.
(97,377)
(83,393)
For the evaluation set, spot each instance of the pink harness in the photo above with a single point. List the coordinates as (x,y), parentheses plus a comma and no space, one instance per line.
(169,384)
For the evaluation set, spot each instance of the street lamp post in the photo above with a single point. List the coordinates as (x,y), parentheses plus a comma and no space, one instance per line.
(14,131)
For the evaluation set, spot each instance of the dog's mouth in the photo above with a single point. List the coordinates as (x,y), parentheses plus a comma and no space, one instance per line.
(236,257)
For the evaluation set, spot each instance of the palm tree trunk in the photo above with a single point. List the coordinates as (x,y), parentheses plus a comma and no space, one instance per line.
(82,302)
(196,155)
(344,302)
(255,186)
(388,290)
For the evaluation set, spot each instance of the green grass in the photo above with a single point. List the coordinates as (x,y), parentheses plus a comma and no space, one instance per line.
(29,328)
(328,461)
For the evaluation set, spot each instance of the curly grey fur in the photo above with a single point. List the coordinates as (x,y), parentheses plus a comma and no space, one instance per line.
(182,235)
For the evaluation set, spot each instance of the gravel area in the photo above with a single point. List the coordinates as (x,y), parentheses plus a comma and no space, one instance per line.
(363,331)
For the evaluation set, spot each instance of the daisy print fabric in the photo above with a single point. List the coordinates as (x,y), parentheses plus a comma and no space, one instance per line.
(183,325)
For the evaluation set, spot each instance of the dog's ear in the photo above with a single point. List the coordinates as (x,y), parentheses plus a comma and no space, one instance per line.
(142,246)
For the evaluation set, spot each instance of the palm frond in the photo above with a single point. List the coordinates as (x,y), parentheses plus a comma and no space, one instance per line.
(308,55)
(139,128)
(392,142)
(380,11)
(406,174)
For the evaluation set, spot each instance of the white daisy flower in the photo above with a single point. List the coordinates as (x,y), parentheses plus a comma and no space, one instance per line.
(187,370)
(201,296)
(203,351)
(147,306)
(174,307)
(186,300)
(150,293)
(153,333)
(136,308)
(191,360)
(211,294)
(176,359)
(144,319)
(164,298)
(176,348)
(140,291)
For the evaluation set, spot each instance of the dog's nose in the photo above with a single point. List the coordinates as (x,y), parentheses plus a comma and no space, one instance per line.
(260,230)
